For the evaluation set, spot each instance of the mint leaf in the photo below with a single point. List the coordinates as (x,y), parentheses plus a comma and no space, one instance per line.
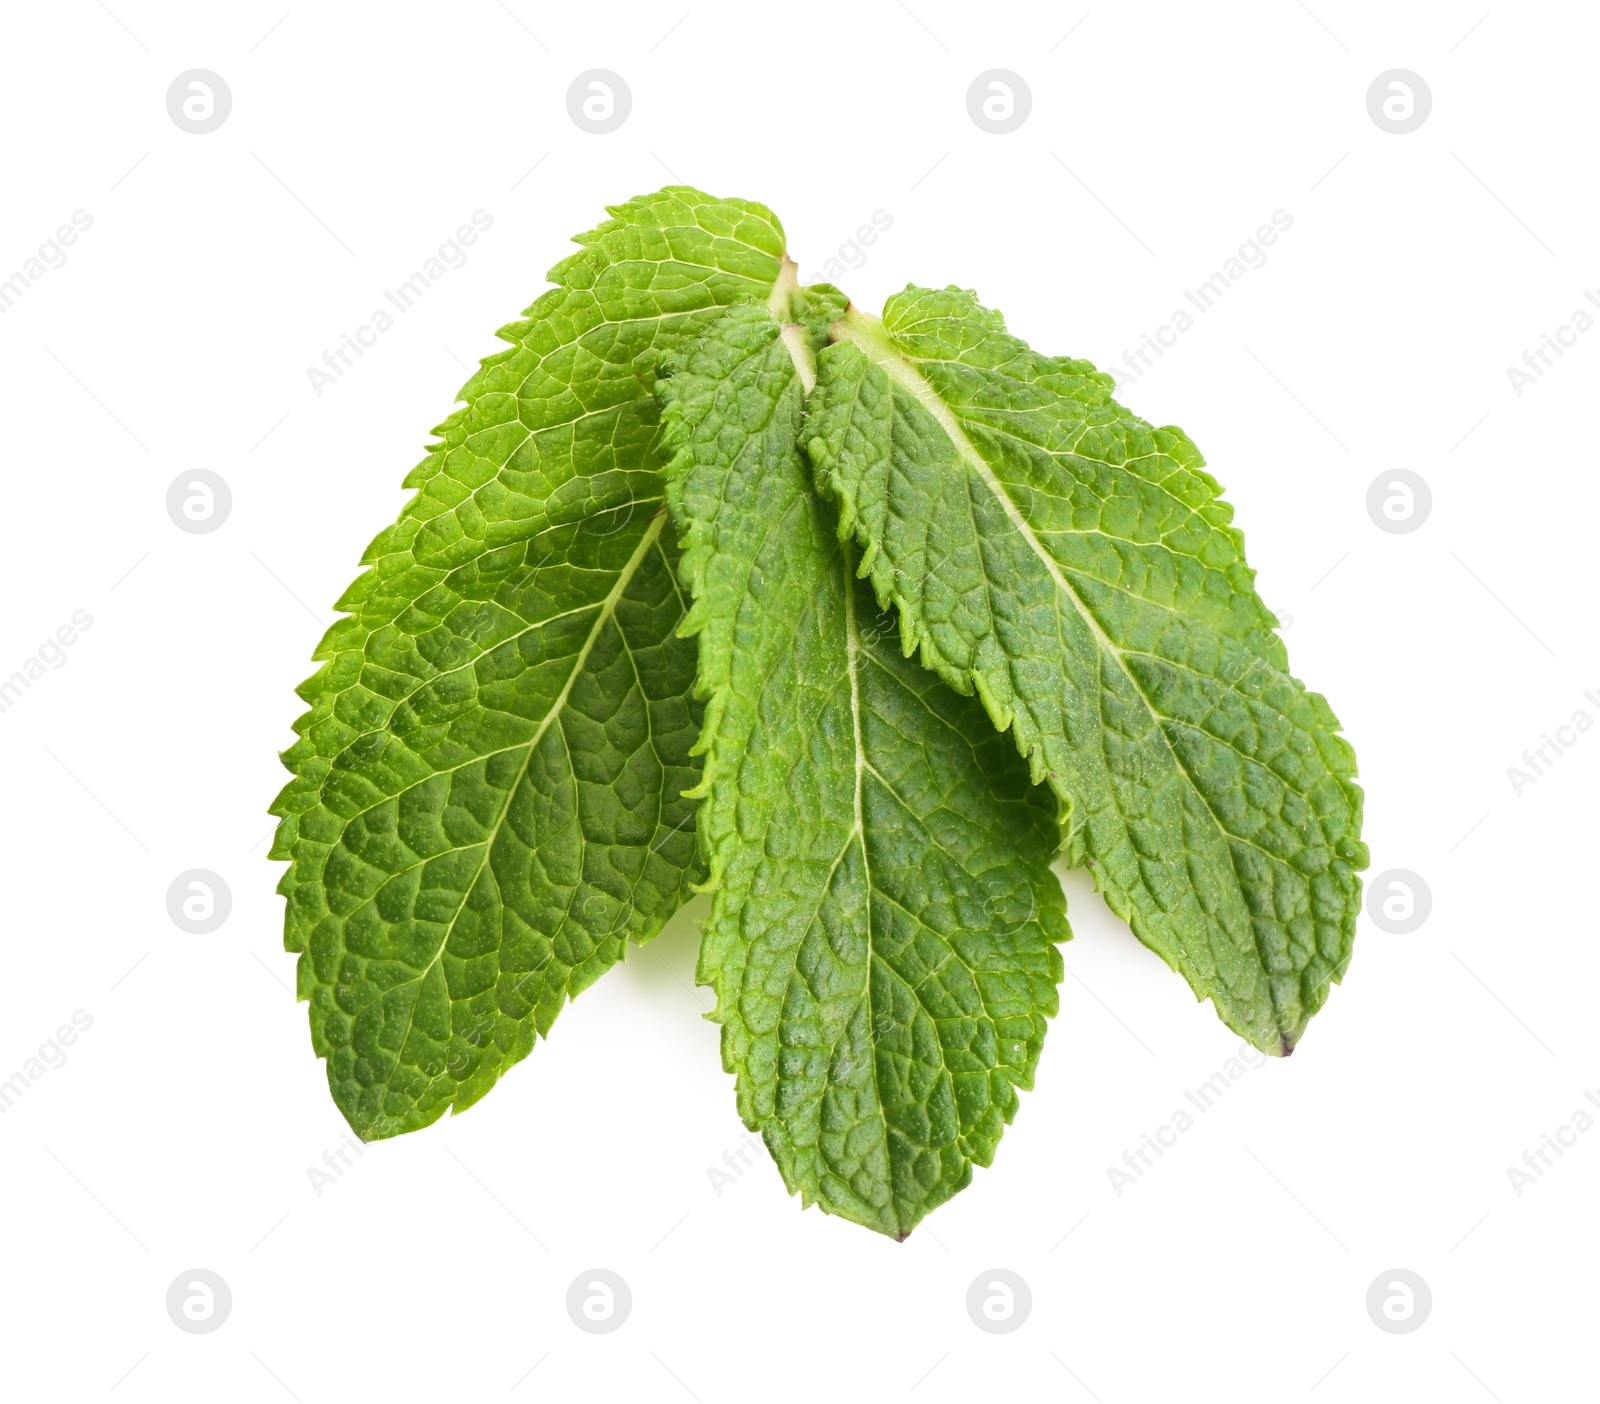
(1075,568)
(488,793)
(884,919)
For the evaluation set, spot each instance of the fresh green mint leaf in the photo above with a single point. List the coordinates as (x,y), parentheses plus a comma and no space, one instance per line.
(1076,568)
(883,931)
(488,793)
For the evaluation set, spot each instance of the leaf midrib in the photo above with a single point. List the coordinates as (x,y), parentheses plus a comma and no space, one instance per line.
(876,343)
(607,611)
(899,369)
(528,626)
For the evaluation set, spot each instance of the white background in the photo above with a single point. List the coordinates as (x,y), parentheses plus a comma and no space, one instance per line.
(1377,336)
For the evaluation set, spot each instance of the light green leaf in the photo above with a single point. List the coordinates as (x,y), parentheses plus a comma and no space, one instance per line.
(488,793)
(884,919)
(1075,567)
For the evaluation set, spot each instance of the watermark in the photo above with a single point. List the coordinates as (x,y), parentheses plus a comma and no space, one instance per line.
(199,101)
(852,254)
(1536,1161)
(599,101)
(1399,1301)
(1250,257)
(199,501)
(1537,760)
(1137,1159)
(198,901)
(351,346)
(334,1162)
(51,655)
(738,1159)
(199,1301)
(1399,101)
(1399,501)
(599,1301)
(52,254)
(1398,901)
(52,1054)
(1537,360)
(999,101)
(999,1301)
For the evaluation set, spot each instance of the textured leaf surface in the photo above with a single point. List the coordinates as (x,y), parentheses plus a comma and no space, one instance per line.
(1075,567)
(488,793)
(884,919)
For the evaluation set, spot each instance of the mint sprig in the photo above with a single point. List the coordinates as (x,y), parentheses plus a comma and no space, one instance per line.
(716,581)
